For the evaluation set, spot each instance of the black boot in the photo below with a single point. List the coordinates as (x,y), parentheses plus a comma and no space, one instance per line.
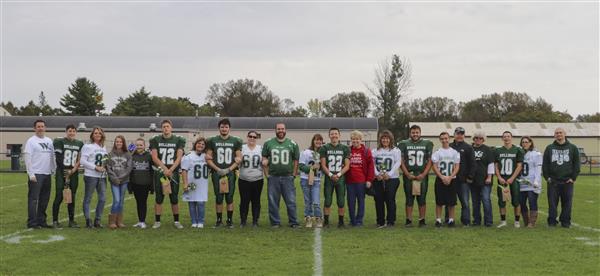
(97,224)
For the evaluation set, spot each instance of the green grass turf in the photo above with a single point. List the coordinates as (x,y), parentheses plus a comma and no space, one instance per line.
(354,251)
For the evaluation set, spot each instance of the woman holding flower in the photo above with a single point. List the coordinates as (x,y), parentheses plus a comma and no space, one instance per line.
(93,159)
(195,181)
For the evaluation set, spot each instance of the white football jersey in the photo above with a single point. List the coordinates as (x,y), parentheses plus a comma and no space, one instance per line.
(251,167)
(446,159)
(197,176)
(387,160)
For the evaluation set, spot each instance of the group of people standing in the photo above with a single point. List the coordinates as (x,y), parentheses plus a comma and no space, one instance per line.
(462,171)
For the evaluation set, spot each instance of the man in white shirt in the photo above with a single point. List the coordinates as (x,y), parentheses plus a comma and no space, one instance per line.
(39,160)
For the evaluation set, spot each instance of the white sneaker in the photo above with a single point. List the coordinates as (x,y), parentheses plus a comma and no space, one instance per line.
(199,225)
(517,224)
(194,225)
(156,225)
(143,225)
(137,225)
(502,224)
(178,225)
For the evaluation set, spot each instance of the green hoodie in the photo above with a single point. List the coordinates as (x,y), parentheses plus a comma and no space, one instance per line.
(561,162)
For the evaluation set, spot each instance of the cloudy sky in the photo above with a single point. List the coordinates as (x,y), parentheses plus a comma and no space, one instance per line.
(303,50)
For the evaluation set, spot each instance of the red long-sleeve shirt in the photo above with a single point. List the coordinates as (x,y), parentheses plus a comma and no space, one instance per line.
(361,166)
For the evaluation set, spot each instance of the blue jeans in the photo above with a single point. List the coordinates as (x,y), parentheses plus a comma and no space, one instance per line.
(563,192)
(197,211)
(530,196)
(312,197)
(279,186)
(118,193)
(99,185)
(356,193)
(463,191)
(482,195)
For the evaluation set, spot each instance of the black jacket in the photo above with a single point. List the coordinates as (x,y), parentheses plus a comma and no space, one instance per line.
(467,161)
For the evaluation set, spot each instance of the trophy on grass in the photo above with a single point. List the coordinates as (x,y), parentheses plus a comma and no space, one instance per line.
(312,172)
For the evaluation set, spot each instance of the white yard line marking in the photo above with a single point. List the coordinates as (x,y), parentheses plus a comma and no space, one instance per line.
(318,255)
(62,220)
(16,185)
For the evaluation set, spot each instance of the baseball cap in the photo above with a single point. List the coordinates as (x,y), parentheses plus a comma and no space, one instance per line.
(460,130)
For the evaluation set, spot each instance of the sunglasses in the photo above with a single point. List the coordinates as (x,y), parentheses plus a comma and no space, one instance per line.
(253,137)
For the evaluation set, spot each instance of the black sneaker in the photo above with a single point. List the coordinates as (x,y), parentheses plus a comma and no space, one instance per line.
(275,226)
(391,224)
(438,224)
(381,226)
(451,224)
(88,223)
(408,223)
(295,225)
(56,225)
(230,225)
(218,224)
(422,223)
(73,224)
(97,224)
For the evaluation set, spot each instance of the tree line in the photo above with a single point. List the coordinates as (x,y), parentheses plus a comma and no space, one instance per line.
(385,98)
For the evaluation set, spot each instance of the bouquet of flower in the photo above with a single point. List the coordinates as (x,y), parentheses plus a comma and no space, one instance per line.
(103,163)
(382,171)
(312,172)
(164,180)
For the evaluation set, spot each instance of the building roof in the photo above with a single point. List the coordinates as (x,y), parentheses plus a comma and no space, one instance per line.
(123,123)
(517,129)
(4,112)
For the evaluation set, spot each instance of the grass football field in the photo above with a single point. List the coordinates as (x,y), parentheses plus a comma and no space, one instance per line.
(286,251)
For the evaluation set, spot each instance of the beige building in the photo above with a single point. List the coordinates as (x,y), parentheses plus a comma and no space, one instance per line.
(584,135)
(17,129)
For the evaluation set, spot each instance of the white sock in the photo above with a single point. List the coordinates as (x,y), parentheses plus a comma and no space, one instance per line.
(450,220)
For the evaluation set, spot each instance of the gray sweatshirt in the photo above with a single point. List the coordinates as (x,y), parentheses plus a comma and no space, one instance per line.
(119,167)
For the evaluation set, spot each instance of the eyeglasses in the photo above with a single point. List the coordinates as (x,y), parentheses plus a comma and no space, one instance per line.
(253,137)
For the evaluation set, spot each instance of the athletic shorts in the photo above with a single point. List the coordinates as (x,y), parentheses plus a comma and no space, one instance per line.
(340,192)
(515,195)
(445,195)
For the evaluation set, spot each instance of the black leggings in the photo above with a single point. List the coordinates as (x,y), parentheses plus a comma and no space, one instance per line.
(385,196)
(250,192)
(141,198)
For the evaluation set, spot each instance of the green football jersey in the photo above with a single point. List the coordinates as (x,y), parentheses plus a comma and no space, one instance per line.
(223,150)
(507,159)
(416,154)
(335,156)
(70,149)
(281,156)
(167,148)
